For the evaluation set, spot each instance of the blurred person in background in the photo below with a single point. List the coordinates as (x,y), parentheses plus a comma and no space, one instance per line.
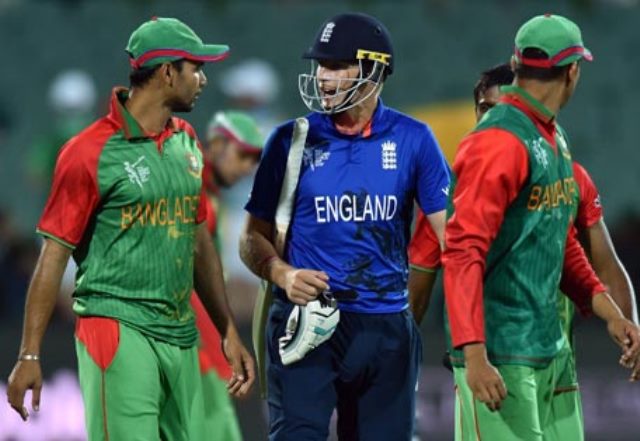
(128,201)
(503,215)
(252,86)
(72,100)
(231,152)
(376,162)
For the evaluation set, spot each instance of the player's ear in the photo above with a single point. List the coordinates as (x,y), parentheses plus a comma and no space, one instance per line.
(167,74)
(573,72)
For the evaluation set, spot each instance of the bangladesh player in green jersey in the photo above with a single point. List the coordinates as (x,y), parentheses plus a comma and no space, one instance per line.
(127,201)
(232,151)
(566,409)
(506,241)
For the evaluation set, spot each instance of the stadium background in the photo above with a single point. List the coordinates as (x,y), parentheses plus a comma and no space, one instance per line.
(441,46)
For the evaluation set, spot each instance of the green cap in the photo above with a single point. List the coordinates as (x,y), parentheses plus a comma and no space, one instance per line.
(239,127)
(558,37)
(162,40)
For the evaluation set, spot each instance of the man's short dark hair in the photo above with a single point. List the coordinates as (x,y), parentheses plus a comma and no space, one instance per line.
(539,73)
(499,75)
(140,77)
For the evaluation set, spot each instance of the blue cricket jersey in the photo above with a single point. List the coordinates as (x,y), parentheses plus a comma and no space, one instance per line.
(354,203)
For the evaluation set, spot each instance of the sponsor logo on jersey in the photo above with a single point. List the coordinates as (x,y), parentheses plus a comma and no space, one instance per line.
(193,165)
(547,197)
(327,32)
(314,157)
(354,208)
(540,153)
(389,159)
(138,173)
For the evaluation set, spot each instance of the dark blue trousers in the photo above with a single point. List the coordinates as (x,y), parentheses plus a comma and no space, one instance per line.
(368,371)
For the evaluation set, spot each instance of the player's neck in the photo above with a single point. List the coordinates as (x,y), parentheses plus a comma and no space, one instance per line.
(148,109)
(549,94)
(354,120)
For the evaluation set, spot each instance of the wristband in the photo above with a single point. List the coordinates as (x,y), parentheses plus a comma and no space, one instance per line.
(29,357)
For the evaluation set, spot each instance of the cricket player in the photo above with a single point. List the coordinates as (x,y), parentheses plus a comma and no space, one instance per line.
(128,202)
(424,258)
(363,166)
(232,151)
(513,203)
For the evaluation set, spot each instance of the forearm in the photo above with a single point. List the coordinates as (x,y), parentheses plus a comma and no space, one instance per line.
(209,283)
(259,254)
(609,268)
(42,295)
(604,307)
(420,285)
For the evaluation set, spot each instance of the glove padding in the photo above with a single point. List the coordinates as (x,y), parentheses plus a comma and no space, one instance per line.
(307,328)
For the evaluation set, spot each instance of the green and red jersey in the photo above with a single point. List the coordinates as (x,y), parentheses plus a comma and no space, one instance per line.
(128,203)
(506,238)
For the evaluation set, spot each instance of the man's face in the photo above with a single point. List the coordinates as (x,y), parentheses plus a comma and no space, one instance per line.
(334,78)
(187,86)
(230,161)
(486,100)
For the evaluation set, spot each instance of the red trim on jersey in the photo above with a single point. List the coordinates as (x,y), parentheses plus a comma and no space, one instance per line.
(590,209)
(212,216)
(100,336)
(74,193)
(210,351)
(424,248)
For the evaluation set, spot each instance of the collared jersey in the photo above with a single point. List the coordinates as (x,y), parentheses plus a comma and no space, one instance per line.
(128,203)
(506,239)
(354,202)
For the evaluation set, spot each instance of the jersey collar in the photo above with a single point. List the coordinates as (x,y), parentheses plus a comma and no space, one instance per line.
(132,130)
(377,124)
(542,117)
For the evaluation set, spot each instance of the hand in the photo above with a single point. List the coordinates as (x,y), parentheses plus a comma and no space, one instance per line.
(627,335)
(241,363)
(483,378)
(25,375)
(304,285)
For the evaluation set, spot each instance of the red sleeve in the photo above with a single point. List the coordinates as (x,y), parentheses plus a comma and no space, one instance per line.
(491,167)
(590,209)
(579,281)
(424,248)
(74,192)
(201,215)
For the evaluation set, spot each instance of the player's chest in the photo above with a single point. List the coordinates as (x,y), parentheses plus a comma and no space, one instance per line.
(141,173)
(381,166)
